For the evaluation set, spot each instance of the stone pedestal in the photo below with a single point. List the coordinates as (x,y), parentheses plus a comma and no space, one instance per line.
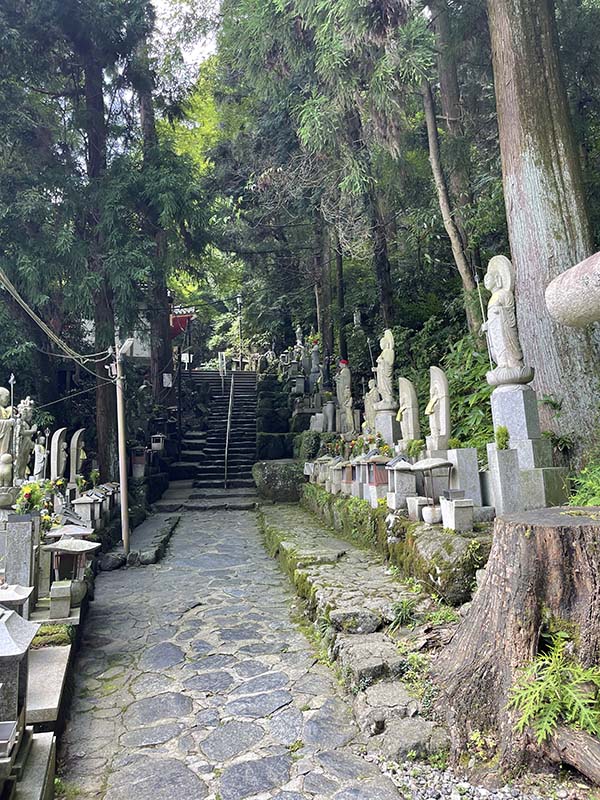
(402,483)
(21,555)
(387,425)
(415,507)
(544,487)
(60,600)
(465,474)
(505,480)
(516,408)
(457,515)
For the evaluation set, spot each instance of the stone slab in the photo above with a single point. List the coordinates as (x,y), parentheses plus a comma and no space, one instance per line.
(47,672)
(37,782)
(542,488)
(41,615)
(388,426)
(505,480)
(465,474)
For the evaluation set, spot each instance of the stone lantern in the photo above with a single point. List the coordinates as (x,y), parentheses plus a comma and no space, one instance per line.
(16,635)
(402,483)
(377,481)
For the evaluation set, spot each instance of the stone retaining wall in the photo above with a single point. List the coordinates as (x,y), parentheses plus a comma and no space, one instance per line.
(445,561)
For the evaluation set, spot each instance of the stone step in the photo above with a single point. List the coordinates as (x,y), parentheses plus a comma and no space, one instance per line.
(234,483)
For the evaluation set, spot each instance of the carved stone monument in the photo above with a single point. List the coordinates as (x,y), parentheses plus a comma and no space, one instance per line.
(501,326)
(372,397)
(438,411)
(343,382)
(58,454)
(7,422)
(76,456)
(24,433)
(385,420)
(535,482)
(408,413)
(39,458)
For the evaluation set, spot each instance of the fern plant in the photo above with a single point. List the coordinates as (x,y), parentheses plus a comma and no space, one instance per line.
(555,689)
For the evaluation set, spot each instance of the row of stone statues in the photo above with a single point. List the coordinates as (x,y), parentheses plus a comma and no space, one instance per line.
(20,439)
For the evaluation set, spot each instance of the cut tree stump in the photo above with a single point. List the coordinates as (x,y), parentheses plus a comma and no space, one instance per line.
(543,564)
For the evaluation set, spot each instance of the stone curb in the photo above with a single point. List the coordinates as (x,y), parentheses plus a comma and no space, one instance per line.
(150,552)
(367,657)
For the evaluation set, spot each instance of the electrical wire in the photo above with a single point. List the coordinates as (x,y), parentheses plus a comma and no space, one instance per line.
(70,353)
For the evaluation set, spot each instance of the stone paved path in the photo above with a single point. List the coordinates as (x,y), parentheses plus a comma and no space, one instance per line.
(193,682)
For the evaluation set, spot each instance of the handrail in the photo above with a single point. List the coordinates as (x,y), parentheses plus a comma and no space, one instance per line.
(229,416)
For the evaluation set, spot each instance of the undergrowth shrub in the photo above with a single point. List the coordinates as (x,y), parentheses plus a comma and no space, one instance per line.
(555,689)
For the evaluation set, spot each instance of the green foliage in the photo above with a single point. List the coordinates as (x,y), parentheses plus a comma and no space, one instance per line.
(555,689)
(466,365)
(404,613)
(414,448)
(443,615)
(586,487)
(502,437)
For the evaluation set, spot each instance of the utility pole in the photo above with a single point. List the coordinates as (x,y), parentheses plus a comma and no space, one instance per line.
(122,439)
(239,305)
(179,423)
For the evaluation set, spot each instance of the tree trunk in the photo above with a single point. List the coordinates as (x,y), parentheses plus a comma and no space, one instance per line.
(104,321)
(381,261)
(543,565)
(161,351)
(547,216)
(452,229)
(341,298)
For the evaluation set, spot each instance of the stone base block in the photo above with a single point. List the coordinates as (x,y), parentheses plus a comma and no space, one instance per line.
(437,446)
(534,453)
(457,515)
(505,480)
(375,494)
(388,426)
(516,408)
(484,514)
(465,474)
(542,488)
(415,507)
(397,501)
(346,488)
(60,600)
(357,489)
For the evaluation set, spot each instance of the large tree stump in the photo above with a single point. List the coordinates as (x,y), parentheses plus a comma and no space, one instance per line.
(543,563)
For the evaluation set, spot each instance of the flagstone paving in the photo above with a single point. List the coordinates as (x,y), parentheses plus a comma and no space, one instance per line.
(194,682)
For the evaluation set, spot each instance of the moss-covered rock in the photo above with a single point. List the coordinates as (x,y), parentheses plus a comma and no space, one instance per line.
(280,481)
(308,444)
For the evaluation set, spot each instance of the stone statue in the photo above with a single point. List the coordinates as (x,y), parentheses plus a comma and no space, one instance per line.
(344,396)
(299,336)
(58,454)
(408,413)
(315,369)
(372,397)
(7,422)
(77,456)
(385,371)
(6,470)
(438,410)
(501,326)
(24,433)
(39,458)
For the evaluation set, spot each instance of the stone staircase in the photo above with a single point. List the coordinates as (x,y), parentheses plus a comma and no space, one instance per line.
(203,452)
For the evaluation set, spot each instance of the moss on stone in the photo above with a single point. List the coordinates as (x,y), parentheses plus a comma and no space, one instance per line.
(443,561)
